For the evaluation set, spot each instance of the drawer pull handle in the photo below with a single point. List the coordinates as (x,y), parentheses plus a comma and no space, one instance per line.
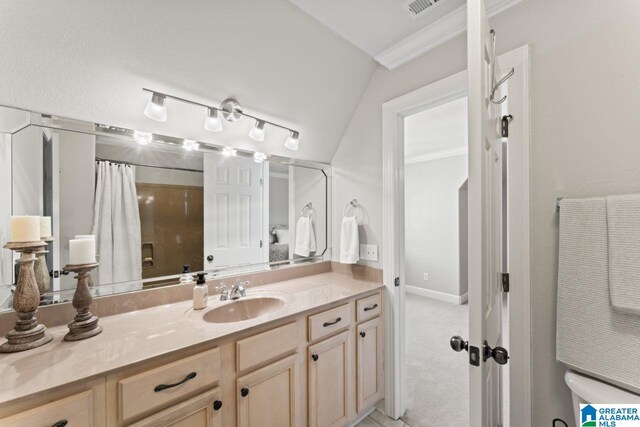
(363,334)
(315,357)
(325,324)
(244,392)
(161,387)
(373,307)
(61,423)
(217,405)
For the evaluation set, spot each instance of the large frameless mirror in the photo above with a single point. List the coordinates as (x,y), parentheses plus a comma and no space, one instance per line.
(157,205)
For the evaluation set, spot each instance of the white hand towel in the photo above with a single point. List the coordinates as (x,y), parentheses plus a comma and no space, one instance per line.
(349,241)
(305,237)
(623,223)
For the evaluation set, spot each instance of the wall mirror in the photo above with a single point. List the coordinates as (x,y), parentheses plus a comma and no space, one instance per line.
(154,204)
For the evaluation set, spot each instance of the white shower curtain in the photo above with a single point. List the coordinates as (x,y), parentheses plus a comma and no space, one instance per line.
(116,225)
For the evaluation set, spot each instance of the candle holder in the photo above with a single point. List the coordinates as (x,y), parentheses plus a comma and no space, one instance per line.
(27,332)
(84,325)
(43,279)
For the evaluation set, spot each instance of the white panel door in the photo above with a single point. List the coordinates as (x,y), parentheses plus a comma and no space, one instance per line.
(232,211)
(485,230)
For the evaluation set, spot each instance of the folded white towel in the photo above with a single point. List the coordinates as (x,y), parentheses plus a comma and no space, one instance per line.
(623,224)
(305,237)
(349,241)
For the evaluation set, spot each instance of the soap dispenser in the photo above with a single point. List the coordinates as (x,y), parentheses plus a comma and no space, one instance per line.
(186,278)
(200,292)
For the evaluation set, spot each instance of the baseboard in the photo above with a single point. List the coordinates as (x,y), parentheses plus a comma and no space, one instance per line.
(440,296)
(362,416)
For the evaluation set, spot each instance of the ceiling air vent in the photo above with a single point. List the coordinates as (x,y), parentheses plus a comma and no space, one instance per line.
(417,7)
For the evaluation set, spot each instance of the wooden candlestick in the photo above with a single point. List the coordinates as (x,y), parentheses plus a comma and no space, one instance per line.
(84,325)
(43,279)
(27,332)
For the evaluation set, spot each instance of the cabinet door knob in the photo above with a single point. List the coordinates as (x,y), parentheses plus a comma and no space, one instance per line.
(244,392)
(217,405)
(61,423)
(315,357)
(363,334)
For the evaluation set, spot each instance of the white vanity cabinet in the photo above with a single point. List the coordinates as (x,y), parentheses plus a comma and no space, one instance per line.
(321,368)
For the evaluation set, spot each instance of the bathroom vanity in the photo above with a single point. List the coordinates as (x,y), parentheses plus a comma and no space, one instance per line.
(307,351)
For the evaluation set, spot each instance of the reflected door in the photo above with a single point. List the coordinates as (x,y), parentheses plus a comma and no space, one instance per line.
(232,211)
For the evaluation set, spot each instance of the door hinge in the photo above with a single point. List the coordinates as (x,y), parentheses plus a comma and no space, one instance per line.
(396,281)
(261,181)
(505,281)
(504,125)
(260,243)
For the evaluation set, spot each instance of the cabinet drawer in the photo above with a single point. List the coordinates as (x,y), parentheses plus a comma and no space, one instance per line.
(76,410)
(202,410)
(328,322)
(368,308)
(268,345)
(152,389)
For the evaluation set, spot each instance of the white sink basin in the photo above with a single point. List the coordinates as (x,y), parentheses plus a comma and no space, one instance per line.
(247,308)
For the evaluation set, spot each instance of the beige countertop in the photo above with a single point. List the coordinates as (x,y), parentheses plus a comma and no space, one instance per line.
(140,335)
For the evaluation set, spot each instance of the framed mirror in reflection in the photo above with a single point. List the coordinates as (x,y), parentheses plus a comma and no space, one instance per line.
(158,206)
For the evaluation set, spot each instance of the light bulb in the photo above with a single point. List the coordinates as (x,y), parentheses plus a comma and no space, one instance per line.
(259,157)
(212,122)
(142,138)
(292,142)
(257,133)
(190,145)
(156,108)
(226,151)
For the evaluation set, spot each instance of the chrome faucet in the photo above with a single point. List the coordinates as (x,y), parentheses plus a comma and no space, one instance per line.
(238,290)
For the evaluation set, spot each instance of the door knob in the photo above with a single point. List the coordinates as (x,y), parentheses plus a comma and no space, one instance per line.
(209,258)
(458,344)
(499,354)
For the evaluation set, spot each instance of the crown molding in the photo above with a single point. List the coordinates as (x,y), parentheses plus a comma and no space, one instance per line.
(435,34)
(437,155)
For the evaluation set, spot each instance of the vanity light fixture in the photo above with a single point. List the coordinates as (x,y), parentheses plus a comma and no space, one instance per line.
(230,110)
(212,122)
(156,108)
(259,157)
(142,138)
(257,132)
(190,145)
(227,151)
(292,142)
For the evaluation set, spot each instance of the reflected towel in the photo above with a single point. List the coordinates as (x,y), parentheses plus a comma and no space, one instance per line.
(623,223)
(349,241)
(305,237)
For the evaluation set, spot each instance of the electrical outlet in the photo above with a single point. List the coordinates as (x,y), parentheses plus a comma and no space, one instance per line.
(426,276)
(369,252)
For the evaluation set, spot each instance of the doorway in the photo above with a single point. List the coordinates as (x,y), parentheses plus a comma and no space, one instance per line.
(516,394)
(435,264)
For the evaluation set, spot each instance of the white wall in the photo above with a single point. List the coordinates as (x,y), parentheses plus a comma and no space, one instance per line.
(6,259)
(278,200)
(431,223)
(585,103)
(90,61)
(76,192)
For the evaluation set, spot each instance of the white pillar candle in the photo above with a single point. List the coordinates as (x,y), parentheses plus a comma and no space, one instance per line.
(82,251)
(85,236)
(45,226)
(25,228)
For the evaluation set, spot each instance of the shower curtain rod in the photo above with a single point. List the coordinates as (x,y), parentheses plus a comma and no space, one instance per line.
(99,159)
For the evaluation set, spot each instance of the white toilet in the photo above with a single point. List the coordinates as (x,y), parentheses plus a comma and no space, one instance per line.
(585,389)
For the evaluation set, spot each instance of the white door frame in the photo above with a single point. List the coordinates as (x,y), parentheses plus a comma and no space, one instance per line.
(393,114)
